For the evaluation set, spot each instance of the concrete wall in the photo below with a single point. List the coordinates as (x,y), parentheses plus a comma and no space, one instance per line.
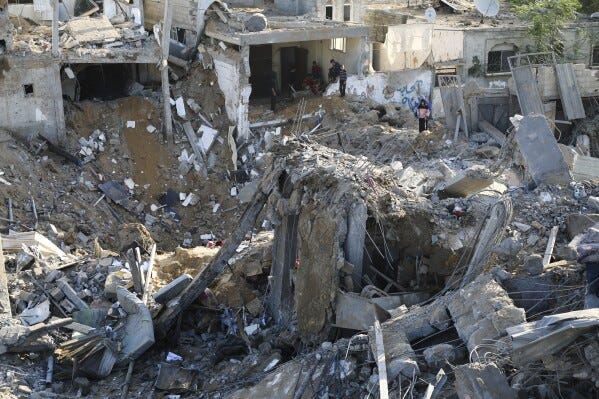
(39,112)
(406,47)
(447,44)
(404,88)
(233,82)
(295,7)
(184,13)
(5,31)
(478,42)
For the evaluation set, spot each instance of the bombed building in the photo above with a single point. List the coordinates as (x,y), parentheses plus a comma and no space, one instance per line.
(297,199)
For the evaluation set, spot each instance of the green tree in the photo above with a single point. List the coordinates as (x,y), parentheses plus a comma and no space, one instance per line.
(589,6)
(547,19)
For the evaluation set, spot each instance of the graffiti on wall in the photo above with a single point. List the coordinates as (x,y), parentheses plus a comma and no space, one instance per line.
(408,95)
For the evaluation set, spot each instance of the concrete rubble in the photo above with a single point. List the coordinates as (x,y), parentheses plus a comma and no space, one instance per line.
(166,231)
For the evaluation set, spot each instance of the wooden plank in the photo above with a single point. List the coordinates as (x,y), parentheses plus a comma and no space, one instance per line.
(569,91)
(550,245)
(196,147)
(4,295)
(492,131)
(380,361)
(166,88)
(14,241)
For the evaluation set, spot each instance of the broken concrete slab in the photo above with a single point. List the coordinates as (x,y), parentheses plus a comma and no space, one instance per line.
(544,160)
(535,340)
(86,30)
(437,356)
(464,184)
(422,321)
(35,314)
(356,312)
(577,223)
(399,355)
(139,328)
(585,168)
(482,381)
(481,312)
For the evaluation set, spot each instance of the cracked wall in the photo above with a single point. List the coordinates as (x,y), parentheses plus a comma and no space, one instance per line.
(31,98)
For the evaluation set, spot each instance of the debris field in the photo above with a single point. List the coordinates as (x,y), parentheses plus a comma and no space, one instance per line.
(175,243)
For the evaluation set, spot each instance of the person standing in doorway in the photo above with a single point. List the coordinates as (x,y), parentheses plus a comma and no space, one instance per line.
(423,112)
(273,91)
(342,80)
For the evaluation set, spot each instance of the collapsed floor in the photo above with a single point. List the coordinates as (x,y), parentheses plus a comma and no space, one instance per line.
(447,255)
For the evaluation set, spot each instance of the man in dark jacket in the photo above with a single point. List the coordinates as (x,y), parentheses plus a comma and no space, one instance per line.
(334,70)
(342,81)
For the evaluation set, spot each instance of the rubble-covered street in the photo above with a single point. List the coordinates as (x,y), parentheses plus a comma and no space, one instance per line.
(211,213)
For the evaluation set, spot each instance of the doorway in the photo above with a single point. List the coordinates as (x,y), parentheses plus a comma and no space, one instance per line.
(261,67)
(294,68)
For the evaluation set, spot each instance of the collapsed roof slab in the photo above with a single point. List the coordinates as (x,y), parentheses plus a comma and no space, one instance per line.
(311,31)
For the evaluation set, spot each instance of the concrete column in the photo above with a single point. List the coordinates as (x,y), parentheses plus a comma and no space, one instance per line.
(354,241)
(55,48)
(283,258)
(365,58)
(61,134)
(338,10)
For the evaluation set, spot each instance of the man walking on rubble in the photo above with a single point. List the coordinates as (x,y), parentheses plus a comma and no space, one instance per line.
(342,81)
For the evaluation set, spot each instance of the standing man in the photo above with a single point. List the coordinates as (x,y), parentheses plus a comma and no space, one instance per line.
(273,91)
(334,70)
(422,113)
(342,80)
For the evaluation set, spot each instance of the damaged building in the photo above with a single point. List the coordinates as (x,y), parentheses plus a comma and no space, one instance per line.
(165,231)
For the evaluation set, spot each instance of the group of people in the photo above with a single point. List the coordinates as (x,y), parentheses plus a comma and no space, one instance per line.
(312,82)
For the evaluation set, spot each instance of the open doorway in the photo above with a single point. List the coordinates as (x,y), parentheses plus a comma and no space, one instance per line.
(294,68)
(261,67)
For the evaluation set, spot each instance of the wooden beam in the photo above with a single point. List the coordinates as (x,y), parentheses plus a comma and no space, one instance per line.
(550,245)
(166,90)
(492,131)
(167,318)
(380,361)
(195,146)
(4,296)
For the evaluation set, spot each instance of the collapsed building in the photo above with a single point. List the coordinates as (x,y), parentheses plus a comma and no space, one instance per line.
(181,240)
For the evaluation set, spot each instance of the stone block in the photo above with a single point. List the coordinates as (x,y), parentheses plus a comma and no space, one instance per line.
(538,146)
(533,264)
(482,381)
(172,289)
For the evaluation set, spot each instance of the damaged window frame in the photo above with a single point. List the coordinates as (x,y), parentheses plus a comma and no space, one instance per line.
(594,56)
